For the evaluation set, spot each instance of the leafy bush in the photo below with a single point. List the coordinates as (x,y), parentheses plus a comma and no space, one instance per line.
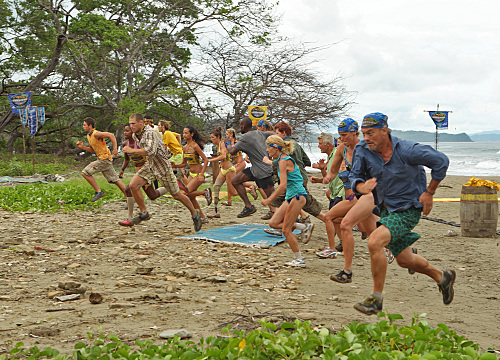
(382,340)
(74,194)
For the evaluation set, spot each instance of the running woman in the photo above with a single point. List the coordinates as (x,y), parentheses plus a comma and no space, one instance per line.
(227,169)
(198,162)
(348,130)
(291,181)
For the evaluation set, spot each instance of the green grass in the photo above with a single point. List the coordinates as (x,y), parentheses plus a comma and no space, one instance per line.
(297,340)
(73,194)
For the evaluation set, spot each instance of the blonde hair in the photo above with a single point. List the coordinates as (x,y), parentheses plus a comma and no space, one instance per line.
(232,131)
(286,146)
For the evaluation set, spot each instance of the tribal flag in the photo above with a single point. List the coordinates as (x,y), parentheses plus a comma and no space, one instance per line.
(24,116)
(440,118)
(32,120)
(19,100)
(40,112)
(257,113)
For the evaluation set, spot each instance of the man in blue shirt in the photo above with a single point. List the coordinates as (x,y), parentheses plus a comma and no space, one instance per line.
(393,170)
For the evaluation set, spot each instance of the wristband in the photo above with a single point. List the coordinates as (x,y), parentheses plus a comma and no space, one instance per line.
(427,191)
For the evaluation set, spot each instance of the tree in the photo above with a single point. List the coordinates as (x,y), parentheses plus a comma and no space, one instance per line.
(277,74)
(118,57)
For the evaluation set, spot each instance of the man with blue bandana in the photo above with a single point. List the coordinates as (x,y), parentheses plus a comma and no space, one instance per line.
(394,168)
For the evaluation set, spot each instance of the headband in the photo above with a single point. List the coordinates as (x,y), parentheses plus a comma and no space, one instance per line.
(274,145)
(348,125)
(374,120)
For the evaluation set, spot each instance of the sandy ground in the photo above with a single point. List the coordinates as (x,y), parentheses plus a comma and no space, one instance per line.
(201,286)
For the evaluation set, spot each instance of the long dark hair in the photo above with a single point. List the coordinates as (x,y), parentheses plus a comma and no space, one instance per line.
(196,136)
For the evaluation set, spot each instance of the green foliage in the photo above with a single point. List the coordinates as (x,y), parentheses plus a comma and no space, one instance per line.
(298,340)
(74,194)
(20,168)
(129,106)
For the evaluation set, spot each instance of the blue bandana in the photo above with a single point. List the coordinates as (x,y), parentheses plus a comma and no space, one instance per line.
(374,120)
(274,145)
(261,123)
(348,125)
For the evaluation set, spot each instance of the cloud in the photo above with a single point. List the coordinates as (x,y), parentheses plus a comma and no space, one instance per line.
(404,57)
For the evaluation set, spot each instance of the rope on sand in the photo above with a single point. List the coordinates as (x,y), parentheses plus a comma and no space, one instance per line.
(445,222)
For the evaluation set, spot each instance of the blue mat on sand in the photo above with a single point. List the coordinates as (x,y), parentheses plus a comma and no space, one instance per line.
(250,235)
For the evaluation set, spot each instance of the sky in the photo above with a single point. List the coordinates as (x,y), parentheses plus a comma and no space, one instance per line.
(404,57)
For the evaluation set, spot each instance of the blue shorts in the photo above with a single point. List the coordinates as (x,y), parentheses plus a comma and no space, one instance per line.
(297,197)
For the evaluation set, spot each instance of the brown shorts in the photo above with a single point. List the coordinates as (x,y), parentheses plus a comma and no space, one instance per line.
(103,166)
(169,182)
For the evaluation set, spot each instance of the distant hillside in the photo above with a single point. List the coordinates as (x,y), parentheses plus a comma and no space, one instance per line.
(485,137)
(417,136)
(425,136)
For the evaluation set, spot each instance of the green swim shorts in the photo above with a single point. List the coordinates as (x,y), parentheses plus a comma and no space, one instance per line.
(400,224)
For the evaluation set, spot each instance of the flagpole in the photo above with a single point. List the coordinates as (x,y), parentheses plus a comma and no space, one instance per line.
(437,127)
(436,147)
(24,145)
(33,147)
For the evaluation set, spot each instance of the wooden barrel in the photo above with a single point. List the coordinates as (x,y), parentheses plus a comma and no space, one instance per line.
(478,211)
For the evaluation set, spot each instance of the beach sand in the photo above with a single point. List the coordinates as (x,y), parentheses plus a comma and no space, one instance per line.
(202,287)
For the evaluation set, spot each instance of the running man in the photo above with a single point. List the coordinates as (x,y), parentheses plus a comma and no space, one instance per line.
(253,143)
(394,168)
(335,192)
(138,161)
(104,162)
(157,167)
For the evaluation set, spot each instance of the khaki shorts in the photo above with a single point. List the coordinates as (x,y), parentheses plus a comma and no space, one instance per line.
(103,166)
(169,182)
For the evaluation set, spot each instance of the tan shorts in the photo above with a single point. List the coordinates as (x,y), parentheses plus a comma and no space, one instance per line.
(103,166)
(169,182)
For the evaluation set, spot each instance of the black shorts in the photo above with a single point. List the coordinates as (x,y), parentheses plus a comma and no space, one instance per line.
(264,183)
(335,201)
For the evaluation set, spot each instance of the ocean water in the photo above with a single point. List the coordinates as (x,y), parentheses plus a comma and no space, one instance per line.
(478,159)
(466,158)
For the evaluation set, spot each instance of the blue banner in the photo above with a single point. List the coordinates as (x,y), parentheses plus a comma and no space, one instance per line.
(32,120)
(24,116)
(41,114)
(19,100)
(440,118)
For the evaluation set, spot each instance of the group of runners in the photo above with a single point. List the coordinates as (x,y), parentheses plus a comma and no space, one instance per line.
(377,184)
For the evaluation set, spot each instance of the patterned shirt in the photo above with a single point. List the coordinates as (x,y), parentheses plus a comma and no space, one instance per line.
(157,156)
